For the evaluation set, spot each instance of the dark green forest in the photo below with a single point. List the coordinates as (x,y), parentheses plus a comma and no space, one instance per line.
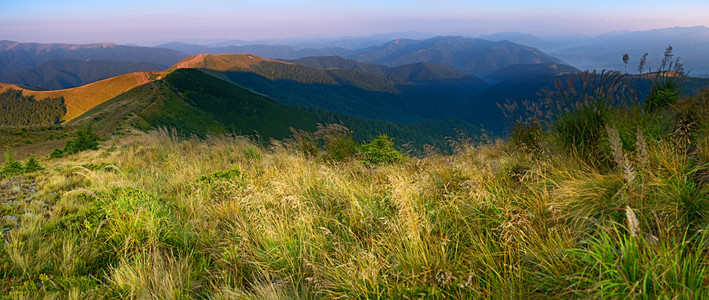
(360,94)
(20,110)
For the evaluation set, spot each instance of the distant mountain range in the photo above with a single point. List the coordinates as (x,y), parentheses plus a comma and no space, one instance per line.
(54,66)
(691,44)
(603,51)
(405,94)
(15,57)
(475,56)
(397,84)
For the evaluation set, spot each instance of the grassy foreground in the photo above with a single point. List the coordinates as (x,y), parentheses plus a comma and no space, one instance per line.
(155,216)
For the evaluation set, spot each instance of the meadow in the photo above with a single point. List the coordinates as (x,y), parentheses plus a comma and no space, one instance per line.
(604,198)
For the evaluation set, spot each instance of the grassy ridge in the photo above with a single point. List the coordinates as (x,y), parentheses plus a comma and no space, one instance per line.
(154,215)
(81,99)
(69,73)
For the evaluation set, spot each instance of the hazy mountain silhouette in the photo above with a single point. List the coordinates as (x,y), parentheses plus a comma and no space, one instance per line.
(15,57)
(268,51)
(689,43)
(474,56)
(69,73)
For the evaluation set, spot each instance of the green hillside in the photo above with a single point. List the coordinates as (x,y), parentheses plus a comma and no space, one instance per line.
(194,102)
(337,62)
(357,93)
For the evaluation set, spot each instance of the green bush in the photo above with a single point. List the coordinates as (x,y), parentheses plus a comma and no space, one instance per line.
(578,107)
(11,166)
(56,153)
(85,139)
(341,148)
(32,164)
(221,175)
(252,152)
(381,151)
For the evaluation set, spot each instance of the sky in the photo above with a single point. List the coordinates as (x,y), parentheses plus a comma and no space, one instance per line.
(149,22)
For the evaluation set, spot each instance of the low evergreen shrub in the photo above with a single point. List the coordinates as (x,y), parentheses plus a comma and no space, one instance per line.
(381,150)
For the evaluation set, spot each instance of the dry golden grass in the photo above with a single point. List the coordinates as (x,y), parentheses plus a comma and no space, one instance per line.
(153,215)
(81,99)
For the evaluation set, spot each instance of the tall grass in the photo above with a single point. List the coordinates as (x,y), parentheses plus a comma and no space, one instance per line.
(154,215)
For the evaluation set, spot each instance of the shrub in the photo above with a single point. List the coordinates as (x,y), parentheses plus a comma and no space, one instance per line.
(581,131)
(13,167)
(252,152)
(10,166)
(56,153)
(32,164)
(86,139)
(381,151)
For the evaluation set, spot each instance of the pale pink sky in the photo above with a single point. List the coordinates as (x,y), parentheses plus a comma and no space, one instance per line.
(149,21)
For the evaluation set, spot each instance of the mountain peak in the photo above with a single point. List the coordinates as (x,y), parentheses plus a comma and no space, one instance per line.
(219,62)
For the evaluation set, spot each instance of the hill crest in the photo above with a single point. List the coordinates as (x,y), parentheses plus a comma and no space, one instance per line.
(81,99)
(220,62)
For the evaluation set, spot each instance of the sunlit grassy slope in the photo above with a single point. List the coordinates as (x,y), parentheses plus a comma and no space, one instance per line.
(158,216)
(80,99)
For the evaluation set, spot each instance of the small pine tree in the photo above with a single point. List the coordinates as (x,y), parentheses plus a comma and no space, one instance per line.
(32,164)
(11,166)
(381,151)
(86,139)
